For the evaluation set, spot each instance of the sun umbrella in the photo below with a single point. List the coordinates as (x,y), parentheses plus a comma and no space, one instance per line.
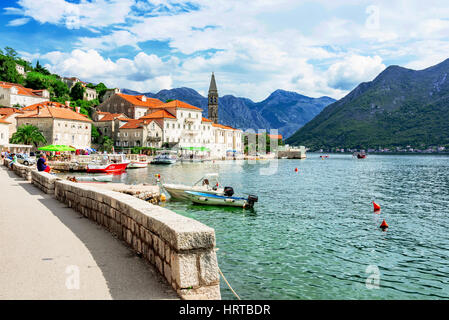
(56,147)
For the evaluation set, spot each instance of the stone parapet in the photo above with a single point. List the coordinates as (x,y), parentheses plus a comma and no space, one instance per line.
(20,169)
(44,181)
(181,249)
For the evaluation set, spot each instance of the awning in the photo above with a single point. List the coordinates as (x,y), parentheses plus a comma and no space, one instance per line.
(196,148)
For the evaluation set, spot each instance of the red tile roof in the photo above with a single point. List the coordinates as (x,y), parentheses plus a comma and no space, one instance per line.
(137,100)
(112,116)
(159,115)
(180,104)
(132,124)
(4,122)
(45,104)
(45,111)
(6,112)
(222,126)
(206,120)
(20,89)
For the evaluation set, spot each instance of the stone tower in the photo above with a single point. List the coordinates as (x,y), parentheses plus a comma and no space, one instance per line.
(212,103)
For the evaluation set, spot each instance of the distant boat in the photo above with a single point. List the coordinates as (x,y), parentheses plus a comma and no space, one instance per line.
(221,200)
(138,161)
(359,155)
(165,157)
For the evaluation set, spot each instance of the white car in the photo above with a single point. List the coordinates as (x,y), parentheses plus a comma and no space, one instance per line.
(25,159)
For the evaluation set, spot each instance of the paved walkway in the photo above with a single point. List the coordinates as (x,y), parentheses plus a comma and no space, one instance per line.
(44,246)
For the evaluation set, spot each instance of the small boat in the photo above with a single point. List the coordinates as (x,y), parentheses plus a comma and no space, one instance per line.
(221,200)
(100,178)
(110,163)
(137,161)
(359,155)
(209,183)
(165,157)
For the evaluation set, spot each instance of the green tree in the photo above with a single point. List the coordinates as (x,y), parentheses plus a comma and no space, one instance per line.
(11,53)
(39,68)
(28,134)
(77,92)
(95,134)
(8,71)
(107,144)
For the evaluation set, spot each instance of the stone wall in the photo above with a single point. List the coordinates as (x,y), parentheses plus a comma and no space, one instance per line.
(182,249)
(44,181)
(21,170)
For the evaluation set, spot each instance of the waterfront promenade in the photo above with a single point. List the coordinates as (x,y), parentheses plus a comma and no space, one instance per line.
(44,246)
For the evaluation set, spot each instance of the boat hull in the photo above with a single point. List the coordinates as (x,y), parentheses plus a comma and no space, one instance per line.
(137,165)
(216,200)
(178,191)
(110,168)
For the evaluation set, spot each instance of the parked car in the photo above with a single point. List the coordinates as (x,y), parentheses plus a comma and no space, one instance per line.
(25,159)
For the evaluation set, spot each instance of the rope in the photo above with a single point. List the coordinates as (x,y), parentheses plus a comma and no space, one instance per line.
(224,278)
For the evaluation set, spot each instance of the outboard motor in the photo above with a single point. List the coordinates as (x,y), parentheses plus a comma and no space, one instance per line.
(252,199)
(228,191)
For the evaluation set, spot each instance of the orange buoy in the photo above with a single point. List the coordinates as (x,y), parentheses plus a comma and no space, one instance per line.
(296,169)
(376,206)
(384,225)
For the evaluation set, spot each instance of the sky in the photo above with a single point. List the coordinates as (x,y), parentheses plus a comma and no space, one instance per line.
(316,48)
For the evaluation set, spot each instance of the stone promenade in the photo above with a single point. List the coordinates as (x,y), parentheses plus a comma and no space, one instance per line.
(49,251)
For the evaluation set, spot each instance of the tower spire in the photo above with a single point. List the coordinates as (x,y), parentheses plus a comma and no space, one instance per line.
(213,100)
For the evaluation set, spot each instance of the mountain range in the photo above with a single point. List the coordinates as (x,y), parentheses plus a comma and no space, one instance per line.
(399,107)
(283,110)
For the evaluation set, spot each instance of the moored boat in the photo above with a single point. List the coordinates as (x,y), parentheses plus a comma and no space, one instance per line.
(221,200)
(109,163)
(209,183)
(165,157)
(138,161)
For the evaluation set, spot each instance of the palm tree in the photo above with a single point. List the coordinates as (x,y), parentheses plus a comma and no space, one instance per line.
(28,134)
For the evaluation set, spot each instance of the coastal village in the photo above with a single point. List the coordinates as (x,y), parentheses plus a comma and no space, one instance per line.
(130,121)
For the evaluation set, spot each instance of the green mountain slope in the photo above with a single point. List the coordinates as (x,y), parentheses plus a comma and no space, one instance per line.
(400,107)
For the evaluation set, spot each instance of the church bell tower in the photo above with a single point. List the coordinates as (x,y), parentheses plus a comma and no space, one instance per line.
(212,103)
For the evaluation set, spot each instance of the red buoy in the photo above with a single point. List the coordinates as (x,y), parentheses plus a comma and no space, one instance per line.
(296,169)
(384,225)
(376,207)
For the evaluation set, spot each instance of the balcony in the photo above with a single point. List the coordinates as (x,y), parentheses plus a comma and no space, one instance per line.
(190,120)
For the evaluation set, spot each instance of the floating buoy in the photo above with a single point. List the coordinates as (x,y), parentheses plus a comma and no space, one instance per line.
(296,169)
(163,197)
(376,207)
(384,225)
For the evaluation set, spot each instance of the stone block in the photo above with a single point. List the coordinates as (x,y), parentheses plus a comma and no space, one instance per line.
(208,266)
(184,270)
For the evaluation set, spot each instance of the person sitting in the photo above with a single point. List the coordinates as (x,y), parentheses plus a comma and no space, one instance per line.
(42,164)
(14,161)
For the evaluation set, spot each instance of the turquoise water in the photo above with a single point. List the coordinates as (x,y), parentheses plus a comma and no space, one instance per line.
(313,234)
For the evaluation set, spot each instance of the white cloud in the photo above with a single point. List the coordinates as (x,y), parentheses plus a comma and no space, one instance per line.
(18,22)
(350,71)
(143,73)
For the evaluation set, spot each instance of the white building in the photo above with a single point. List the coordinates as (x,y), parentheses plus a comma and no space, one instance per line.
(4,132)
(179,125)
(12,94)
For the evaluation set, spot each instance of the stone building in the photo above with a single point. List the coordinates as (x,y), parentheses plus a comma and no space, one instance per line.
(108,123)
(139,133)
(12,94)
(9,115)
(89,93)
(109,93)
(132,106)
(20,69)
(59,124)
(4,132)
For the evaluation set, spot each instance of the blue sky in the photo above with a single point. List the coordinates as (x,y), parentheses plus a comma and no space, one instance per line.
(315,48)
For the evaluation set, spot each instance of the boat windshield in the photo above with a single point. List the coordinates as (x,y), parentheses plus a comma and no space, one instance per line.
(211,180)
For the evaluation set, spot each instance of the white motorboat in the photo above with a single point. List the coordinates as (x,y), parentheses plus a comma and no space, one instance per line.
(208,184)
(221,200)
(137,161)
(165,157)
